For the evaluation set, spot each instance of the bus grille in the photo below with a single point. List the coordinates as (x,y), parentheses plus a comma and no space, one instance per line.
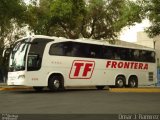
(150,76)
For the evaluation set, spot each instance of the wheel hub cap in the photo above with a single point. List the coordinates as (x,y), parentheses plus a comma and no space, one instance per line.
(56,83)
(120,83)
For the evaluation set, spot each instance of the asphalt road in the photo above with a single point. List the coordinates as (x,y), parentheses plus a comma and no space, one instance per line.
(78,102)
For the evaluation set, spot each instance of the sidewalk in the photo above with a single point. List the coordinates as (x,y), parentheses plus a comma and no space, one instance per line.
(137,90)
(4,86)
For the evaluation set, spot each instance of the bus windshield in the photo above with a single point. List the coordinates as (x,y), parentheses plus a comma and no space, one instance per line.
(18,56)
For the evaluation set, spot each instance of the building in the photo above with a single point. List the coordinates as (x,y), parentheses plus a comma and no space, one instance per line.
(157,48)
(129,44)
(144,40)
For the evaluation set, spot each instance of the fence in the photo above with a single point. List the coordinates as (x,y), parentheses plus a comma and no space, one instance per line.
(158,77)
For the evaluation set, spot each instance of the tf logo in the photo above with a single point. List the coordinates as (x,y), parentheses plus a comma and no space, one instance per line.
(81,69)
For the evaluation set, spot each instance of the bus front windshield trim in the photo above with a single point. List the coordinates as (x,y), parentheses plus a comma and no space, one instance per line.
(18,56)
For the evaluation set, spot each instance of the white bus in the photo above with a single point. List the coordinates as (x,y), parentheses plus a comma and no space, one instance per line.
(43,61)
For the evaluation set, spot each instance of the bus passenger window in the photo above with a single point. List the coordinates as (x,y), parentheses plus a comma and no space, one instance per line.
(93,54)
(34,62)
(75,51)
(150,56)
(116,56)
(123,54)
(153,56)
(136,55)
(57,49)
(108,53)
(95,51)
(142,55)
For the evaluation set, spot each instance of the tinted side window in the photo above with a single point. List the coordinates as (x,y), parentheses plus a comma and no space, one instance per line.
(117,53)
(112,53)
(95,51)
(129,54)
(144,56)
(65,49)
(150,56)
(57,49)
(108,52)
(76,49)
(38,46)
(79,50)
(35,54)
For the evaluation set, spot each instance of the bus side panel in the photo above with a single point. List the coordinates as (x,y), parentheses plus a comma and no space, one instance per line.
(37,78)
(148,77)
(66,67)
(95,74)
(99,76)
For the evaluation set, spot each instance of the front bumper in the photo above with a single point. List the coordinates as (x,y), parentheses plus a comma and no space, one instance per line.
(16,78)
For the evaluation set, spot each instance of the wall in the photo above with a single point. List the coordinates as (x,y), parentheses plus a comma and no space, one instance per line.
(143,39)
(157,48)
(158,77)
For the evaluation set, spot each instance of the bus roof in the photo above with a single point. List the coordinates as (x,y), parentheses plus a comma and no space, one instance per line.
(93,41)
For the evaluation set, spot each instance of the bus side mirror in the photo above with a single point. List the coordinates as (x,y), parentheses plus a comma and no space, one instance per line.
(6,52)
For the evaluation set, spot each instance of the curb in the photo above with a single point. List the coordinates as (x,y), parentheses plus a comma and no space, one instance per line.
(4,86)
(135,90)
(14,88)
(116,90)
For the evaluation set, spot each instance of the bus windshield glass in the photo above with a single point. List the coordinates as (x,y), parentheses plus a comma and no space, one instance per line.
(18,55)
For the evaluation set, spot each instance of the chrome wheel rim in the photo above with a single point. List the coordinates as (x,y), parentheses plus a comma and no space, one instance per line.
(120,83)
(132,83)
(56,84)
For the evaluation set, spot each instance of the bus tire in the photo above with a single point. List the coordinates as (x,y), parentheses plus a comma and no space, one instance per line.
(100,87)
(55,83)
(38,89)
(133,82)
(120,82)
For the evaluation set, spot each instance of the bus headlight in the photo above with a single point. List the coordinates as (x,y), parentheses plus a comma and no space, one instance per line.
(21,77)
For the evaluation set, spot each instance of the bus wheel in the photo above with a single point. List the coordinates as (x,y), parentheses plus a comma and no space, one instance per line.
(100,87)
(38,89)
(55,83)
(120,82)
(133,82)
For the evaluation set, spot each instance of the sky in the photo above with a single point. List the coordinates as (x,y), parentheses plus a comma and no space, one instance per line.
(26,1)
(130,34)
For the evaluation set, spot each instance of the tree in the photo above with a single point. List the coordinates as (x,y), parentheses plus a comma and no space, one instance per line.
(68,15)
(131,13)
(152,12)
(38,17)
(97,19)
(11,14)
(10,11)
(11,19)
(107,18)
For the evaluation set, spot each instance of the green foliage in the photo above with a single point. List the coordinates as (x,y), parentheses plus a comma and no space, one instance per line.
(130,14)
(95,19)
(102,17)
(38,17)
(68,15)
(152,10)
(11,17)
(11,12)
